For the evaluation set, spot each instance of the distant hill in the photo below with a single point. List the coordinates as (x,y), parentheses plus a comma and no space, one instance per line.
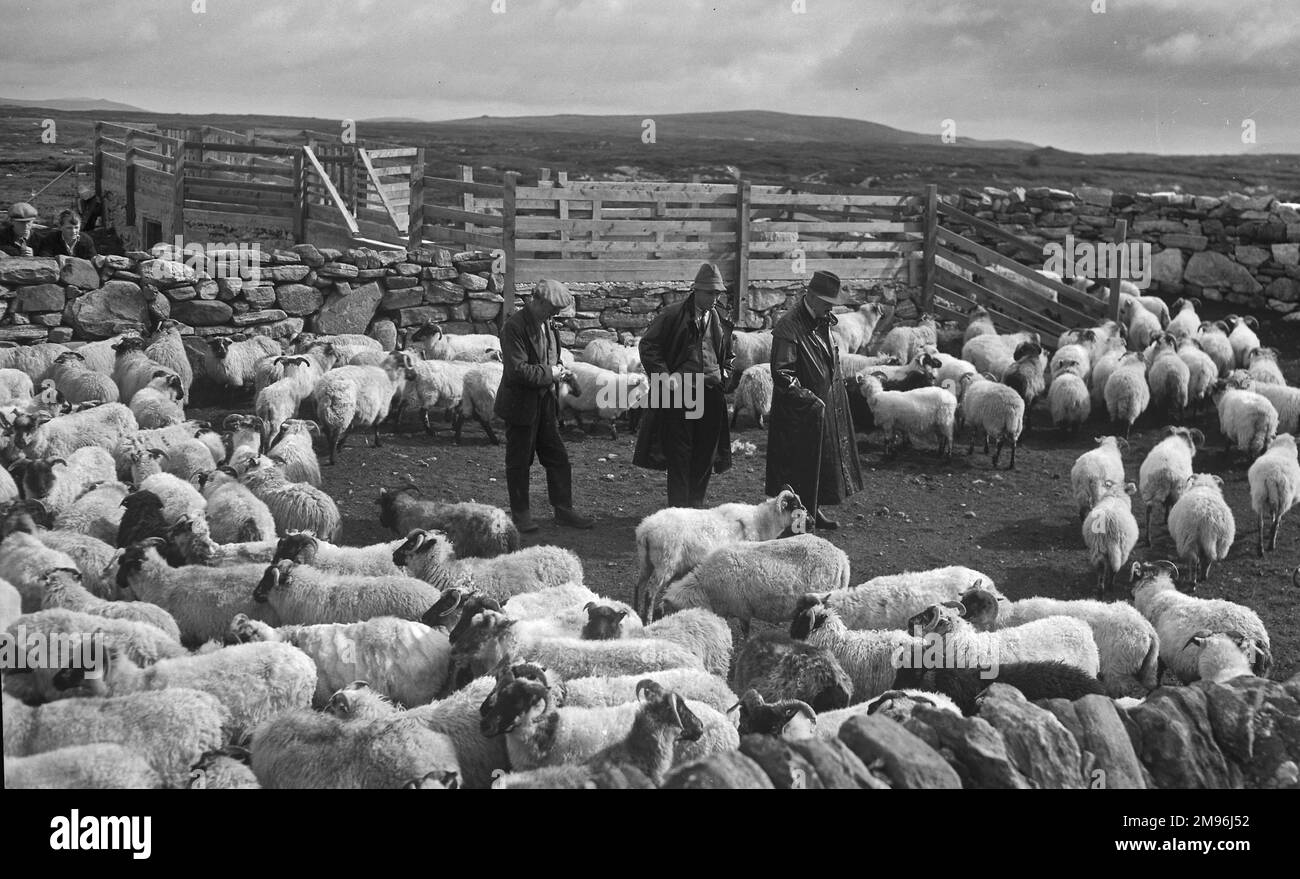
(760,125)
(74,104)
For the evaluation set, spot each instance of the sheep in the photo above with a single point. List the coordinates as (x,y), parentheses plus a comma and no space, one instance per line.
(171,729)
(663,722)
(57,483)
(1213,339)
(852,364)
(133,369)
(1202,372)
(751,349)
(703,633)
(184,460)
(438,384)
(295,506)
(92,555)
(279,401)
(1131,297)
(951,369)
(97,513)
(853,331)
(142,519)
(80,384)
(159,403)
(779,667)
(614,357)
(189,542)
(103,766)
(233,513)
(479,399)
(1102,368)
(905,342)
(1261,363)
(993,353)
(62,588)
(492,636)
(145,644)
(1242,337)
(165,439)
(166,347)
(11,603)
(1074,358)
(1248,420)
(1177,617)
(978,323)
(434,344)
(101,355)
(292,448)
(889,601)
(754,392)
(1051,679)
(231,361)
(306,549)
(922,412)
(604,393)
(920,372)
(1069,402)
(1274,487)
(1285,400)
(1110,532)
(35,360)
(359,396)
(1142,325)
(1127,394)
(475,530)
(1185,322)
(404,660)
(1051,638)
(1223,655)
(1168,376)
(547,602)
(1027,376)
(1201,524)
(303,749)
(597,692)
(995,410)
(1166,469)
(8,488)
(867,656)
(224,769)
(761,580)
(201,599)
(104,426)
(429,556)
(179,498)
(302,595)
(24,560)
(16,387)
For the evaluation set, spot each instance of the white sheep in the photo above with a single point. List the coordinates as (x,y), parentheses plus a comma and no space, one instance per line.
(605,394)
(1263,367)
(92,555)
(231,362)
(16,387)
(97,513)
(1110,532)
(1093,469)
(438,384)
(1201,524)
(185,459)
(869,657)
(279,401)
(1048,639)
(1166,469)
(1247,419)
(597,692)
(1143,325)
(434,344)
(102,766)
(134,368)
(1069,402)
(608,354)
(165,439)
(359,396)
(854,329)
(672,541)
(8,488)
(890,600)
(761,580)
(1223,655)
(1075,358)
(479,399)
(754,392)
(160,403)
(292,448)
(429,556)
(951,369)
(63,589)
(1274,486)
(1102,367)
(57,483)
(1202,372)
(11,603)
(144,643)
(321,357)
(1242,337)
(192,541)
(404,660)
(978,323)
(1168,377)
(168,348)
(1127,393)
(179,498)
(302,595)
(475,530)
(989,353)
(1213,339)
(702,632)
(1178,616)
(172,729)
(992,408)
(305,548)
(80,384)
(35,360)
(24,561)
(549,601)
(295,506)
(750,349)
(1185,322)
(233,513)
(1285,399)
(927,413)
(104,426)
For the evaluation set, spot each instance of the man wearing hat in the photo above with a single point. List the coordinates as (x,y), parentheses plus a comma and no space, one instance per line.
(527,401)
(692,341)
(16,237)
(810,441)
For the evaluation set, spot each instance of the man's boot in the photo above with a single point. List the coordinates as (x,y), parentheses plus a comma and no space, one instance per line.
(517,488)
(824,522)
(559,486)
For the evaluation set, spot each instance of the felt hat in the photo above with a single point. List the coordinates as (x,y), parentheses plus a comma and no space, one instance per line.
(709,278)
(21,210)
(826,287)
(554,293)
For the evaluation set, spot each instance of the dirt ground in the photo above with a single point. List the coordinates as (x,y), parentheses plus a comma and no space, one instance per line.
(917,511)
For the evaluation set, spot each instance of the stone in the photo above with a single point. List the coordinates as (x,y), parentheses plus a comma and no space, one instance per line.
(785,768)
(261,316)
(458,327)
(117,263)
(77,272)
(166,273)
(116,306)
(350,311)
(480,309)
(281,329)
(21,270)
(625,321)
(471,282)
(1255,722)
(402,298)
(229,288)
(203,312)
(1095,195)
(1185,241)
(1173,739)
(337,270)
(133,277)
(1141,227)
(48,318)
(139,255)
(24,333)
(1040,747)
(59,334)
(182,293)
(405,269)
(979,754)
(585,336)
(371,274)
(1167,266)
(1284,290)
(727,770)
(1282,307)
(259,296)
(905,760)
(309,255)
(1286,254)
(206,288)
(1212,269)
(1206,202)
(1251,256)
(837,767)
(389,258)
(1097,728)
(442,292)
(401,282)
(290,273)
(298,299)
(40,297)
(385,333)
(439,273)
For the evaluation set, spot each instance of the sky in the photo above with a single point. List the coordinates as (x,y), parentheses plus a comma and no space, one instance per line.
(1163,76)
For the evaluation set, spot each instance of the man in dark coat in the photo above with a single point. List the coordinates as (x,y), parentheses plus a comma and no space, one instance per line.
(67,239)
(528,401)
(18,236)
(810,442)
(686,432)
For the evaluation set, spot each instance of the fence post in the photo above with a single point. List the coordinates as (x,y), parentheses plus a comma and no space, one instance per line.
(99,160)
(508,244)
(415,212)
(742,249)
(178,191)
(467,198)
(300,199)
(931,240)
(1121,235)
(128,153)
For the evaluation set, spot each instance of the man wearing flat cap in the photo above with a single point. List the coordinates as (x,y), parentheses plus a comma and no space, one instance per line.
(688,435)
(810,442)
(17,237)
(528,402)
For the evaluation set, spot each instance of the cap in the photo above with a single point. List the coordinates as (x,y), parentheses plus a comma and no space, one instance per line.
(826,286)
(554,293)
(21,210)
(709,278)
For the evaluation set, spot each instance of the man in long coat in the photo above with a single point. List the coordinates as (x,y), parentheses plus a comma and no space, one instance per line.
(528,403)
(691,340)
(810,442)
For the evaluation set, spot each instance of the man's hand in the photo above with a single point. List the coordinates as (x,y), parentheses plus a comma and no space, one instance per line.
(559,372)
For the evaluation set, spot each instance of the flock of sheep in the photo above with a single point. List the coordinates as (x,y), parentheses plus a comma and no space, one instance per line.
(237,644)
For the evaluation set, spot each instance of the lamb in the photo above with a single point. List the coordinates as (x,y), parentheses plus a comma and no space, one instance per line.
(1201,525)
(143,643)
(889,601)
(869,657)
(134,369)
(404,660)
(1143,325)
(1051,638)
(434,344)
(607,394)
(1223,655)
(233,513)
(1177,617)
(80,384)
(854,329)
(179,498)
(231,361)
(201,599)
(159,403)
(779,667)
(923,412)
(1202,372)
(995,410)
(1185,322)
(1274,486)
(57,483)
(754,392)
(597,692)
(359,396)
(1166,469)
(292,448)
(62,588)
(904,342)
(702,633)
(102,766)
(479,399)
(303,749)
(1110,532)
(1247,419)
(24,560)
(762,580)
(295,506)
(750,349)
(1127,393)
(978,323)
(620,358)
(171,729)
(97,513)
(1069,402)
(104,426)
(1242,337)
(430,557)
(475,530)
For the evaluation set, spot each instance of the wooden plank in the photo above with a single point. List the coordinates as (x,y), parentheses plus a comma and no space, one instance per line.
(805,198)
(248,148)
(952,239)
(594,269)
(399,153)
(120,145)
(398,222)
(859,247)
(254,199)
(178,197)
(284,209)
(587,193)
(931,225)
(249,221)
(614,248)
(577,209)
(242,186)
(1003,284)
(442,213)
(151,156)
(99,160)
(348,219)
(415,209)
(441,234)
(128,153)
(988,228)
(1002,322)
(870,226)
(622,227)
(743,194)
(508,245)
(848,269)
(465,186)
(988,297)
(1112,310)
(300,200)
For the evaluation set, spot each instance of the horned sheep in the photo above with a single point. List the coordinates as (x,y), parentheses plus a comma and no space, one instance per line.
(1274,486)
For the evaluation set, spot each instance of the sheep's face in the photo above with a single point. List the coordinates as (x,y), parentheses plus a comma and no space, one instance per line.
(604,623)
(788,718)
(438,779)
(39,477)
(276,574)
(1153,576)
(940,619)
(242,630)
(131,562)
(220,347)
(980,607)
(141,502)
(448,604)
(474,605)
(299,547)
(519,702)
(128,344)
(69,357)
(808,618)
(670,711)
(477,637)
